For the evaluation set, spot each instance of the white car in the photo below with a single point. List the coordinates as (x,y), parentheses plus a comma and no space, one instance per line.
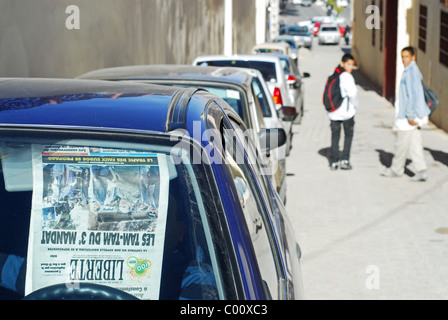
(306,3)
(329,34)
(273,73)
(272,120)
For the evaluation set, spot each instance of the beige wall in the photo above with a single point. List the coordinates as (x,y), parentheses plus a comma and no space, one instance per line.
(371,60)
(434,73)
(34,40)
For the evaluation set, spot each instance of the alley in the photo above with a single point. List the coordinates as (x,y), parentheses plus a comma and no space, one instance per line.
(364,236)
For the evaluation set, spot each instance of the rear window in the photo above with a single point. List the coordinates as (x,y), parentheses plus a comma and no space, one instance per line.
(106,213)
(331,29)
(267,69)
(268,50)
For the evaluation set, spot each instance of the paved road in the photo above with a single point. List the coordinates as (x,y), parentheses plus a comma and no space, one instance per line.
(364,236)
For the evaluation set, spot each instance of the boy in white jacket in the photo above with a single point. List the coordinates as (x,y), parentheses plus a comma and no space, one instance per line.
(344,115)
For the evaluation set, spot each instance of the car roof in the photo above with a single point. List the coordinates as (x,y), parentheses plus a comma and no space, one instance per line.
(281,56)
(280,45)
(238,76)
(75,103)
(247,57)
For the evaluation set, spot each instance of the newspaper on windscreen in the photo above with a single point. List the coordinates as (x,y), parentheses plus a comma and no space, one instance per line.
(98,216)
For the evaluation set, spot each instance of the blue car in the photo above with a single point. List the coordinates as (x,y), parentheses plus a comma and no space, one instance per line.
(243,89)
(134,191)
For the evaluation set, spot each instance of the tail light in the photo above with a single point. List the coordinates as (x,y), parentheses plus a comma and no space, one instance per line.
(277,96)
(292,81)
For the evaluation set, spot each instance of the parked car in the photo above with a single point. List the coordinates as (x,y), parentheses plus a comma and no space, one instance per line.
(295,83)
(305,3)
(108,192)
(302,35)
(318,20)
(272,47)
(291,42)
(273,73)
(243,89)
(329,34)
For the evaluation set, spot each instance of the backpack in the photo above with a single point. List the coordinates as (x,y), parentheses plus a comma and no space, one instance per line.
(431,99)
(332,94)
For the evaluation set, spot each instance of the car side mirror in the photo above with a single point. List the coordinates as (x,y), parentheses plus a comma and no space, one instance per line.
(271,139)
(292,82)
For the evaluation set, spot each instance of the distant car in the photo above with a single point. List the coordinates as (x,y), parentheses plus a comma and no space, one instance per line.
(292,44)
(305,3)
(281,47)
(307,23)
(115,190)
(329,34)
(318,20)
(273,73)
(302,35)
(243,89)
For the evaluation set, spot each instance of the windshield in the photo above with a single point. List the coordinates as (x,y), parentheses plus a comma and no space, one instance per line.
(266,68)
(129,216)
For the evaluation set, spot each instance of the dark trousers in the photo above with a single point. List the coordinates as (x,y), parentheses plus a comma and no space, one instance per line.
(348,125)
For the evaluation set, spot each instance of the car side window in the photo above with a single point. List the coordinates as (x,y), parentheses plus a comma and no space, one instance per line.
(261,97)
(254,209)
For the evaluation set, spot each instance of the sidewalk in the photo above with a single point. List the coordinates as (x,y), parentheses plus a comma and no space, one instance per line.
(364,236)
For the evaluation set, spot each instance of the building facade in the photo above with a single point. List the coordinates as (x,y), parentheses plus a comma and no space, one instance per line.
(381,28)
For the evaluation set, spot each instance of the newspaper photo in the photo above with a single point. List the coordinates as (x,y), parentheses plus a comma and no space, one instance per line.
(98,216)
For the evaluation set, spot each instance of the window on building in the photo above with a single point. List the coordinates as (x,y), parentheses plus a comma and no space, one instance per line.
(444,38)
(381,25)
(373,29)
(423,22)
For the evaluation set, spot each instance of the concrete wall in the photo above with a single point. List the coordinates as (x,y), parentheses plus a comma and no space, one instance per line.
(369,58)
(35,42)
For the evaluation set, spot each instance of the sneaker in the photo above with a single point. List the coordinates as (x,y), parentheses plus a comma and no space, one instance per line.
(334,166)
(420,176)
(389,174)
(345,165)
